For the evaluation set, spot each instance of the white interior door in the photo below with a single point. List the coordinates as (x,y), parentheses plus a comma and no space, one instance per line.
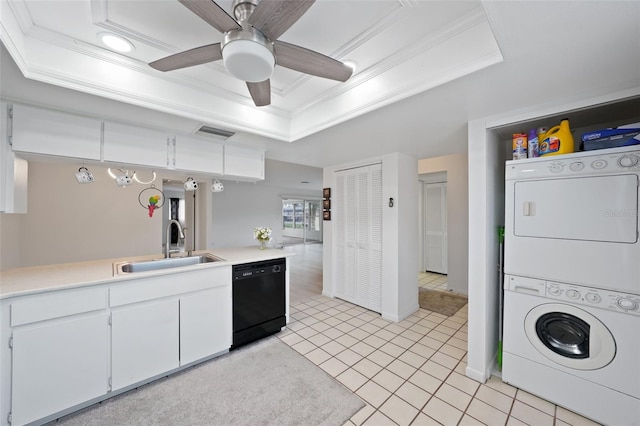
(435,227)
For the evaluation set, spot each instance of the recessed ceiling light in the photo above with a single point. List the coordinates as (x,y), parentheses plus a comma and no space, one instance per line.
(115,42)
(351,64)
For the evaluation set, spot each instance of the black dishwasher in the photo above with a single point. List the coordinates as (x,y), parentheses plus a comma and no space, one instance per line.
(258,300)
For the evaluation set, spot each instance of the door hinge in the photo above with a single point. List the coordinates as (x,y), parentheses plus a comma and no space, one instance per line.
(9,418)
(174,152)
(168,148)
(110,384)
(10,125)
(110,319)
(11,342)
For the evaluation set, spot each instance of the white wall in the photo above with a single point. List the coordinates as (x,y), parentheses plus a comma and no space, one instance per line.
(456,168)
(400,234)
(10,228)
(243,206)
(70,222)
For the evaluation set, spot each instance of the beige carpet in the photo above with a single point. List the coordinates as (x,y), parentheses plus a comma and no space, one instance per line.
(265,383)
(445,303)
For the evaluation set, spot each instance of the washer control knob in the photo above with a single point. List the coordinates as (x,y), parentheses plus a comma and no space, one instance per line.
(577,166)
(627,304)
(555,291)
(556,168)
(599,164)
(573,294)
(593,297)
(629,160)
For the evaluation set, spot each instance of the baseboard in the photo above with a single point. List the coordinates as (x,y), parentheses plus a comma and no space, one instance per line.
(328,294)
(402,315)
(478,376)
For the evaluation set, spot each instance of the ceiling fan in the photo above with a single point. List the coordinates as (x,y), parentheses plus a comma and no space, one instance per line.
(250,49)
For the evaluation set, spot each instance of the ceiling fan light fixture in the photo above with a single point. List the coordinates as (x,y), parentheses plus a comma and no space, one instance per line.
(248,56)
(115,42)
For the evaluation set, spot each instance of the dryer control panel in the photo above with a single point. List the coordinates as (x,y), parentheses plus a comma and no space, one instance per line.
(607,161)
(605,299)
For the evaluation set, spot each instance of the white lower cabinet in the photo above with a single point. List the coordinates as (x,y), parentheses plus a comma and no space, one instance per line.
(205,324)
(72,346)
(144,341)
(58,364)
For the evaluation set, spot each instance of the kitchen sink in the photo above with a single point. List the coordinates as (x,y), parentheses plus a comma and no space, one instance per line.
(164,263)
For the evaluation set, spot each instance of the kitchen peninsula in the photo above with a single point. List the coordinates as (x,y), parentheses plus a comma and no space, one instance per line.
(78,333)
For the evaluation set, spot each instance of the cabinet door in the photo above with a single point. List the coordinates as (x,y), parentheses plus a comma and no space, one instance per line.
(42,131)
(13,173)
(58,364)
(144,341)
(198,155)
(243,163)
(205,323)
(135,145)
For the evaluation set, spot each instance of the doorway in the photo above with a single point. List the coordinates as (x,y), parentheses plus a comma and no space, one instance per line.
(179,205)
(433,231)
(301,221)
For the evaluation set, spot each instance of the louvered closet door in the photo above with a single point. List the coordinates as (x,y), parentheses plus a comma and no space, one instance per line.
(375,241)
(358,235)
(340,242)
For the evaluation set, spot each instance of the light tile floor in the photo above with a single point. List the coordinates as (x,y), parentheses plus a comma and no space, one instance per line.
(410,372)
(432,281)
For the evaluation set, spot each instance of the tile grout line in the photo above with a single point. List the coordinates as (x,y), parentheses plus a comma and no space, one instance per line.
(451,370)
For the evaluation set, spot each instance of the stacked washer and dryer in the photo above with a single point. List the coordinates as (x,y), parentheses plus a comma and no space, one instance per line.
(572,282)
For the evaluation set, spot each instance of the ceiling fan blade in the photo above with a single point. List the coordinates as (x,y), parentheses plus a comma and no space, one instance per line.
(189,58)
(309,62)
(260,92)
(274,17)
(212,14)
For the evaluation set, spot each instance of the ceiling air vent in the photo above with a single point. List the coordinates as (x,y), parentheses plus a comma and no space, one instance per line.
(206,130)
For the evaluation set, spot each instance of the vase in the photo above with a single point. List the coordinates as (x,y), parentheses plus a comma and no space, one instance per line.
(263,245)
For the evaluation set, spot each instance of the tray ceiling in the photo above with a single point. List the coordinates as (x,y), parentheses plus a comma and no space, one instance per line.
(401,48)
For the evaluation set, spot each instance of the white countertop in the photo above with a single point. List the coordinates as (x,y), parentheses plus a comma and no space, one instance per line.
(38,279)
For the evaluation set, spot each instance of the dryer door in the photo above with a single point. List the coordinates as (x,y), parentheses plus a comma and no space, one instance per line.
(597,208)
(570,336)
(580,230)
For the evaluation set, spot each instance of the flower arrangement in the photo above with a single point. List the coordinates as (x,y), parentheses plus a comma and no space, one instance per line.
(262,234)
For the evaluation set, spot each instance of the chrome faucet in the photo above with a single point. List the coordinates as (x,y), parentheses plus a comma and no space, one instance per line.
(167,245)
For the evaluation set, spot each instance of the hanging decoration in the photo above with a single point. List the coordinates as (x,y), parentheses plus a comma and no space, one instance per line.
(151,199)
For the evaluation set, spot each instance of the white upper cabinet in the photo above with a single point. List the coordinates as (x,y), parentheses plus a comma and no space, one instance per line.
(135,145)
(243,163)
(42,131)
(197,154)
(48,132)
(13,172)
